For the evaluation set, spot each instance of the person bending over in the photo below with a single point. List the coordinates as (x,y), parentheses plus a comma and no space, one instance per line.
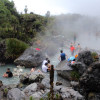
(45,67)
(8,73)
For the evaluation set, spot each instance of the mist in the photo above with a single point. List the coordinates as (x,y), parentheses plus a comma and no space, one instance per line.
(61,30)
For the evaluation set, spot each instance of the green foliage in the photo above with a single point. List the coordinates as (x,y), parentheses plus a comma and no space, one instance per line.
(14,48)
(95,56)
(41,99)
(57,96)
(5,90)
(31,98)
(75,75)
(21,26)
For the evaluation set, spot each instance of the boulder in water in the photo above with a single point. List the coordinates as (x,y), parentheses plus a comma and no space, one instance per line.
(31,78)
(31,57)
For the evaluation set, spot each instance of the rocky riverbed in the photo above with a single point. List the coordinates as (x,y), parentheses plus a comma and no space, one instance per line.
(82,79)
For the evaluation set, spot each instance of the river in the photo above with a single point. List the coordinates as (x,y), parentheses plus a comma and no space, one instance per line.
(85,40)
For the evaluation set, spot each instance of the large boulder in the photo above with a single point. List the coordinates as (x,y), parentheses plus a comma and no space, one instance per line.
(64,70)
(31,57)
(15,94)
(31,78)
(79,67)
(85,57)
(90,80)
(29,90)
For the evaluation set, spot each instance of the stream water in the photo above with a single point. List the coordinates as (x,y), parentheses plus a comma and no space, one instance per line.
(90,41)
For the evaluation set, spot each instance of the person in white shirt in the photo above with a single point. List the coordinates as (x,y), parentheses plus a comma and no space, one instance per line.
(45,67)
(45,61)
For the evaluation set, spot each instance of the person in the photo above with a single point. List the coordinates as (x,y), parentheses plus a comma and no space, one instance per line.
(72,62)
(32,70)
(45,61)
(62,56)
(8,73)
(79,48)
(45,67)
(72,48)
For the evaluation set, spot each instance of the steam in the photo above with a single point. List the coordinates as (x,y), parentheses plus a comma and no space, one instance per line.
(61,31)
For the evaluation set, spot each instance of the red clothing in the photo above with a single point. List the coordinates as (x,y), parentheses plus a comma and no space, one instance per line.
(37,49)
(72,48)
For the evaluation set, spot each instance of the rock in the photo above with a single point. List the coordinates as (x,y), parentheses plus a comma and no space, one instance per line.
(29,90)
(68,92)
(90,80)
(64,70)
(36,77)
(58,83)
(93,96)
(15,94)
(1,84)
(80,67)
(40,86)
(36,95)
(46,82)
(24,78)
(85,57)
(30,58)
(31,77)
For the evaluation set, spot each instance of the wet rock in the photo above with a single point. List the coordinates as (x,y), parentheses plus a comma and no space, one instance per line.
(90,80)
(15,94)
(85,57)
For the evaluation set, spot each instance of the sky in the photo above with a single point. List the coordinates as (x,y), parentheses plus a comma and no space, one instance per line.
(84,7)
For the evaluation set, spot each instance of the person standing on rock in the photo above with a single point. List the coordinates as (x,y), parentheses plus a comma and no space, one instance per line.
(62,56)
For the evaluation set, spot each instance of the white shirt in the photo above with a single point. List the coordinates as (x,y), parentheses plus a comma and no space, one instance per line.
(45,61)
(44,68)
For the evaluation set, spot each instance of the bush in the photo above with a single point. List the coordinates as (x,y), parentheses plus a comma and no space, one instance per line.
(75,75)
(95,56)
(14,48)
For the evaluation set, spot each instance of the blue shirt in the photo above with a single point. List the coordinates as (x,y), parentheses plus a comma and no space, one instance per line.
(63,56)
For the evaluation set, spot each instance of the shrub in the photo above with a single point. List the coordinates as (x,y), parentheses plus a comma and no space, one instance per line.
(75,75)
(95,56)
(14,48)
